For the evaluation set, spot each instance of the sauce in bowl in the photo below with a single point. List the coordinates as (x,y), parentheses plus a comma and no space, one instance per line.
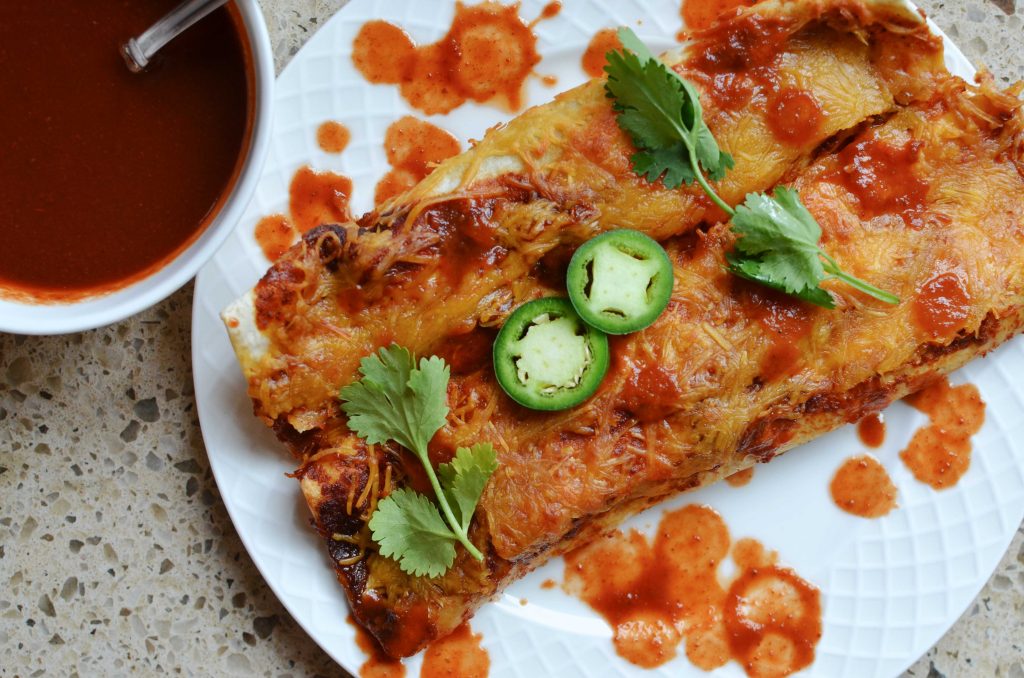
(106,175)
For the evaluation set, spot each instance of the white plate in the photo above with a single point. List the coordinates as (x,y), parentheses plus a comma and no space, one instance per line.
(891,587)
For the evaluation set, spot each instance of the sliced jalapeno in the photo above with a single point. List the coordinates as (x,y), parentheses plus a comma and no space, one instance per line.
(620,281)
(547,358)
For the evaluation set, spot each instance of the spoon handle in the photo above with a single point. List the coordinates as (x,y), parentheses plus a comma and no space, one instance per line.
(138,51)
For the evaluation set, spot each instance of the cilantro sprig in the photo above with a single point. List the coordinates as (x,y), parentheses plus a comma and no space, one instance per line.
(778,237)
(397,401)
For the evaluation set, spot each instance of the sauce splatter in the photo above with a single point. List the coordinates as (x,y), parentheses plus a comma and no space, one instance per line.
(548,584)
(785,321)
(657,594)
(274,235)
(700,14)
(740,478)
(458,655)
(550,11)
(593,61)
(863,487)
(413,147)
(871,430)
(316,198)
(939,454)
(487,55)
(796,116)
(881,177)
(377,664)
(942,305)
(332,137)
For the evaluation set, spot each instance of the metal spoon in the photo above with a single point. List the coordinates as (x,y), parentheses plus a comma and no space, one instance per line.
(138,51)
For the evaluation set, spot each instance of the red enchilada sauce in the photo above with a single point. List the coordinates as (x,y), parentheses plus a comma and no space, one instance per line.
(332,137)
(871,430)
(378,664)
(942,305)
(737,64)
(740,478)
(882,179)
(785,320)
(413,147)
(457,655)
(487,54)
(593,61)
(863,487)
(275,235)
(657,594)
(796,116)
(314,198)
(700,14)
(107,174)
(738,61)
(650,392)
(940,453)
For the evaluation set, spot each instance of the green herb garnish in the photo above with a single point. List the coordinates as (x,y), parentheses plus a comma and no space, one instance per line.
(398,401)
(661,112)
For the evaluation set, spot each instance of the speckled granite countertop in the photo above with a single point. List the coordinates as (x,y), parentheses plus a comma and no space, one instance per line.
(116,554)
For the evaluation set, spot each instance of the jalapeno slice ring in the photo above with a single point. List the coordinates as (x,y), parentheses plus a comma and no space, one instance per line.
(547,358)
(620,281)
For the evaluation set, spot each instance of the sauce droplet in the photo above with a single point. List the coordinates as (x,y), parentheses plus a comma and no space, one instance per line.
(740,478)
(413,147)
(795,116)
(604,41)
(863,487)
(274,235)
(332,137)
(871,430)
(942,305)
(487,55)
(700,14)
(656,594)
(377,664)
(939,454)
(550,11)
(459,654)
(317,198)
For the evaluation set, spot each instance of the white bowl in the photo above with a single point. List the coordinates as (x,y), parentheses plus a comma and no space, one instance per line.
(23,317)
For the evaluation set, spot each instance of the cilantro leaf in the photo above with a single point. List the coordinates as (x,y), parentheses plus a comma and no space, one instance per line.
(464,478)
(397,401)
(430,384)
(629,40)
(669,163)
(661,113)
(409,530)
(778,247)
